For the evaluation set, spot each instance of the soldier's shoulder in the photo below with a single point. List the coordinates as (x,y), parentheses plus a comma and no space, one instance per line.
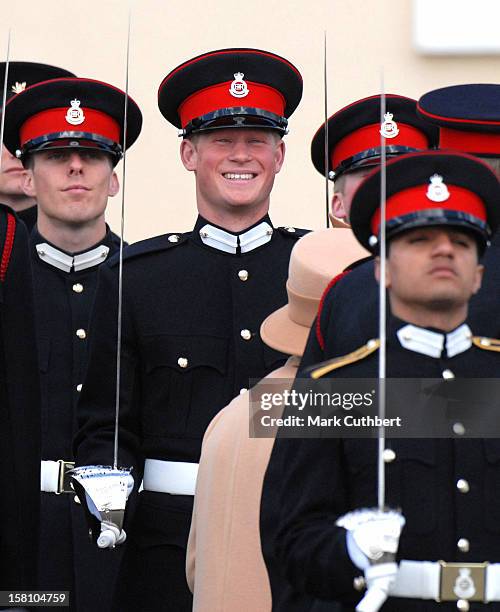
(319,370)
(146,247)
(290,231)
(486,344)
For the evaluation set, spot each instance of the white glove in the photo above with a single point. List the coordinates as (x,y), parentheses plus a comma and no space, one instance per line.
(104,492)
(372,542)
(111,535)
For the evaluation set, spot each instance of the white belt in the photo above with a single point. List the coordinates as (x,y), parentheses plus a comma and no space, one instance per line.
(174,477)
(447,581)
(53,476)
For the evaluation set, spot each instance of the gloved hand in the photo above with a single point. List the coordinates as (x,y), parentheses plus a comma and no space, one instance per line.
(111,535)
(103,492)
(372,542)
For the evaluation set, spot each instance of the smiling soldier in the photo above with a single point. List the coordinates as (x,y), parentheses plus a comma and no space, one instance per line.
(69,136)
(192,307)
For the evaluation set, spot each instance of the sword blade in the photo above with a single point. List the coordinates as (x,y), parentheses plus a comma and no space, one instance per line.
(325,88)
(382,306)
(4,95)
(120,266)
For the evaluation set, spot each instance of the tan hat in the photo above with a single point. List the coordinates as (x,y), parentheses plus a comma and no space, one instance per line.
(315,260)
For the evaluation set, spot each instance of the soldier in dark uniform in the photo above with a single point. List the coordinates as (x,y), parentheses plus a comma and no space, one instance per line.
(468,118)
(354,143)
(19,411)
(69,136)
(441,210)
(193,304)
(21,75)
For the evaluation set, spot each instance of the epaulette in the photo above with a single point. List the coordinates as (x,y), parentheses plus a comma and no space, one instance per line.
(487,344)
(321,369)
(319,333)
(150,245)
(292,232)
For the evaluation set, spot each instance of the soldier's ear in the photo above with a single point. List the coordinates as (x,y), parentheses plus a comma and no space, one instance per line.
(338,208)
(114,185)
(376,272)
(478,278)
(189,154)
(28,184)
(279,155)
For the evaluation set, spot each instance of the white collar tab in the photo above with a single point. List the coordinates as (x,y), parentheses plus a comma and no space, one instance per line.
(247,241)
(432,343)
(66,263)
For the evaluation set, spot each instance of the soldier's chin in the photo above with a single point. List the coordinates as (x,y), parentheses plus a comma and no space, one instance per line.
(446,302)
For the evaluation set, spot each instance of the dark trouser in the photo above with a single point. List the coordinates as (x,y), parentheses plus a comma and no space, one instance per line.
(153,572)
(69,561)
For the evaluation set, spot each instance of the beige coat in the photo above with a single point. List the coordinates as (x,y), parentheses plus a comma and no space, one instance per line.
(225,569)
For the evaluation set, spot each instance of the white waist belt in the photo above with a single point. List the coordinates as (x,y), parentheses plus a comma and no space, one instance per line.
(174,477)
(422,580)
(52,476)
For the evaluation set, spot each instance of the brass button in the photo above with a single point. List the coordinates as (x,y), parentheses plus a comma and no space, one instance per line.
(448,374)
(388,455)
(463,545)
(79,387)
(173,238)
(81,334)
(359,583)
(182,362)
(458,429)
(463,485)
(243,390)
(246,334)
(77,287)
(243,275)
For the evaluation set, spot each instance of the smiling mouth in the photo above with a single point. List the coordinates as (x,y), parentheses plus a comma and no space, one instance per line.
(234,176)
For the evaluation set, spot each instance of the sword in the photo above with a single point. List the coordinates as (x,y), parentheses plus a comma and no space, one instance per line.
(120,266)
(325,88)
(382,307)
(4,97)
(103,490)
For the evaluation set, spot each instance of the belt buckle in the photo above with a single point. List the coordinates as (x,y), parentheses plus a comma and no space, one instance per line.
(463,581)
(63,484)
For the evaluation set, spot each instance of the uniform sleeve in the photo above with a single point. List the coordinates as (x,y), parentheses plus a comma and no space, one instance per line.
(304,481)
(19,412)
(94,441)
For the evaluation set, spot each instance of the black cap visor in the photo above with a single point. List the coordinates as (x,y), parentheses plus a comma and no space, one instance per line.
(435,217)
(369,158)
(71,140)
(236,117)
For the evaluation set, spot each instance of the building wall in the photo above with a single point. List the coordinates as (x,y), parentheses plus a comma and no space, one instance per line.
(364,40)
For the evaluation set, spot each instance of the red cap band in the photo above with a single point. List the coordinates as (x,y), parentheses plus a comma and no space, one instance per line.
(218,96)
(54,120)
(469,142)
(368,137)
(414,199)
